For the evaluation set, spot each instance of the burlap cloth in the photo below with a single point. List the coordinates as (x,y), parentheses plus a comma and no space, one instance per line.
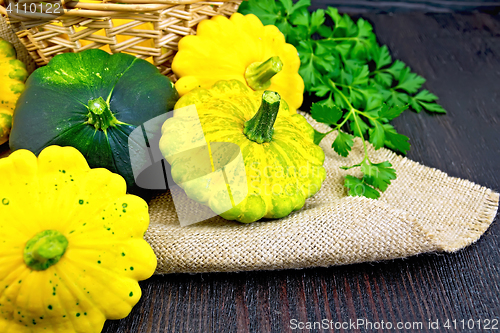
(423,210)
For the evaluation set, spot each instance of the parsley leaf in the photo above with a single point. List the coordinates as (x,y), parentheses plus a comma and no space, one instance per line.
(423,100)
(396,98)
(394,140)
(390,113)
(378,175)
(362,88)
(267,11)
(381,56)
(325,114)
(318,136)
(358,187)
(396,68)
(343,143)
(357,125)
(311,68)
(377,135)
(433,107)
(408,81)
(384,79)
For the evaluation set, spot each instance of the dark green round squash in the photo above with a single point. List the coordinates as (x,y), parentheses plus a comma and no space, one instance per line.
(91,101)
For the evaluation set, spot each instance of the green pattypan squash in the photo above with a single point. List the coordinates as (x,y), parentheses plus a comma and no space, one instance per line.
(92,101)
(282,165)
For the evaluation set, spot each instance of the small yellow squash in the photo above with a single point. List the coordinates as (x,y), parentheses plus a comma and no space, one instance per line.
(72,247)
(12,76)
(280,168)
(239,48)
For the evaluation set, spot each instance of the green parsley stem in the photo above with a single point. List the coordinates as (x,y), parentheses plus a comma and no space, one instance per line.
(351,111)
(348,86)
(334,39)
(362,139)
(383,70)
(330,131)
(347,101)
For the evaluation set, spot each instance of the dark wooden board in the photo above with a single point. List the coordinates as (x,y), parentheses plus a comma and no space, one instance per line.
(459,55)
(401,6)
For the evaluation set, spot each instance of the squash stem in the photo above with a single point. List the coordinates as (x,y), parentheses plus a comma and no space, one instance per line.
(45,249)
(100,116)
(258,75)
(260,128)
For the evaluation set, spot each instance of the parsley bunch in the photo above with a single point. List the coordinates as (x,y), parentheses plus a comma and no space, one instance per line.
(362,88)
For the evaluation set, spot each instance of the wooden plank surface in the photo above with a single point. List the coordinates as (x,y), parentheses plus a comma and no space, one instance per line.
(400,6)
(459,55)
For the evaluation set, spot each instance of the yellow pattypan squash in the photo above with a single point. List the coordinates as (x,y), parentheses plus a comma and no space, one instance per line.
(243,49)
(12,76)
(282,166)
(72,248)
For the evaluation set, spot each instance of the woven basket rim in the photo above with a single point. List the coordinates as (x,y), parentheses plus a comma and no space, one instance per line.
(139,2)
(104,9)
(79,29)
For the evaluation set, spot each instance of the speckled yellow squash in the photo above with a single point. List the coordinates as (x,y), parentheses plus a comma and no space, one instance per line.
(12,76)
(72,247)
(282,165)
(239,48)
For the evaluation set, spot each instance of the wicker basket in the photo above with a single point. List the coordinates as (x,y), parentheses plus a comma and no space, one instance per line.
(148,29)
